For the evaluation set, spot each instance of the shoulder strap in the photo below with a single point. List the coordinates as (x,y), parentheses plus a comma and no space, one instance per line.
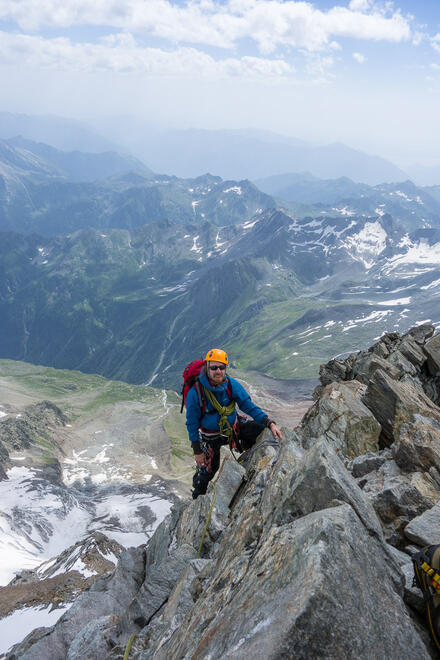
(200,395)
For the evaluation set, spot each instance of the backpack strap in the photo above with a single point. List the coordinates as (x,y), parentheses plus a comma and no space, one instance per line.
(200,396)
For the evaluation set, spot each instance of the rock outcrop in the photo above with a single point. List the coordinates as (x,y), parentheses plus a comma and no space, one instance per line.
(301,550)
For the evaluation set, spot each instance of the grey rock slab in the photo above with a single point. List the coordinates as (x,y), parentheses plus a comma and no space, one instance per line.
(432,350)
(412,350)
(192,521)
(367,363)
(420,333)
(302,598)
(159,583)
(412,596)
(425,529)
(340,416)
(367,463)
(393,404)
(321,478)
(418,445)
(399,499)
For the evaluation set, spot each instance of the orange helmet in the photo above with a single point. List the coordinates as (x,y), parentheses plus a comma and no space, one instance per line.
(216,355)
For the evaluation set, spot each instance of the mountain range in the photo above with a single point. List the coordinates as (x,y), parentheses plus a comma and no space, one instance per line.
(132,275)
(231,154)
(139,304)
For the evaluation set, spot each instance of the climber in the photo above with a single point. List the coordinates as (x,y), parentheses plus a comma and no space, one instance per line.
(212,421)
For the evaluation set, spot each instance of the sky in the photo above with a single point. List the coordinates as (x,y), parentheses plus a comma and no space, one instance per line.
(363,72)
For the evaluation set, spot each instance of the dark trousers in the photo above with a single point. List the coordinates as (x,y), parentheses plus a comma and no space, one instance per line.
(247,435)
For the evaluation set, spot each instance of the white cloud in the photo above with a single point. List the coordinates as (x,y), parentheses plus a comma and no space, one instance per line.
(435,42)
(359,5)
(269,23)
(121,54)
(359,58)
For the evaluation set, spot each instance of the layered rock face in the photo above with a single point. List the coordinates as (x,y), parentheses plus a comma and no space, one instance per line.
(300,550)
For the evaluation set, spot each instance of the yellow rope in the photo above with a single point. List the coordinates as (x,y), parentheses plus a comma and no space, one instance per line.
(129,645)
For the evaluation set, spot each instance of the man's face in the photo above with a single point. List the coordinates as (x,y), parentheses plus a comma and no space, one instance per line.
(216,372)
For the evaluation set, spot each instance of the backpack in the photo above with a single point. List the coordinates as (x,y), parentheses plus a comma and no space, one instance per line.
(427,578)
(190,377)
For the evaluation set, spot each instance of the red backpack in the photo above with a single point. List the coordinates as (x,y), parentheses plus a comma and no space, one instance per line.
(190,376)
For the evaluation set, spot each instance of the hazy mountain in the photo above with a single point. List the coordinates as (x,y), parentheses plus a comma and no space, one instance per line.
(79,166)
(59,132)
(238,154)
(308,189)
(425,175)
(39,192)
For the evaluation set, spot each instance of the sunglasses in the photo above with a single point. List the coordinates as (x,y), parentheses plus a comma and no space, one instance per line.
(220,367)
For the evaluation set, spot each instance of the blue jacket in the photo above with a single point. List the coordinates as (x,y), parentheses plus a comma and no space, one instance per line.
(195,419)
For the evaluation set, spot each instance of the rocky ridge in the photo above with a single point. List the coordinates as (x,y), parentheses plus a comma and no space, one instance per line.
(307,545)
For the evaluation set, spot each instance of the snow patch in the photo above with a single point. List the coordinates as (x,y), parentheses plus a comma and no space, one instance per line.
(15,627)
(366,245)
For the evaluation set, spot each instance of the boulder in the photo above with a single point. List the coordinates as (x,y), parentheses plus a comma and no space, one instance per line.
(425,529)
(367,463)
(321,465)
(412,350)
(336,370)
(341,417)
(432,350)
(399,499)
(367,363)
(418,445)
(420,333)
(394,403)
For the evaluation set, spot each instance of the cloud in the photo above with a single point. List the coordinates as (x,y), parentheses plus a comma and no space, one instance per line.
(121,54)
(435,42)
(359,5)
(269,23)
(359,58)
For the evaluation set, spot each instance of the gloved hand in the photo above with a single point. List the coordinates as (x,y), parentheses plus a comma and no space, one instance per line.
(200,459)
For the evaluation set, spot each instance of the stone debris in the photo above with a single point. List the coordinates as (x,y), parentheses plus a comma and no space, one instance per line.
(306,545)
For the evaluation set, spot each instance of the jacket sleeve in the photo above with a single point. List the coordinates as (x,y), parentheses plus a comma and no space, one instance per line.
(245,402)
(193,415)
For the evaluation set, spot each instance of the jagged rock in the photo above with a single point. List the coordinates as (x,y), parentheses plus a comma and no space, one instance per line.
(321,465)
(420,333)
(432,350)
(412,350)
(336,370)
(158,584)
(403,365)
(96,638)
(298,601)
(192,521)
(341,417)
(418,445)
(394,403)
(399,499)
(425,529)
(107,597)
(367,363)
(177,606)
(367,463)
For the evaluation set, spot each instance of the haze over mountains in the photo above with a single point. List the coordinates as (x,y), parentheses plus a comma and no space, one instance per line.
(231,154)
